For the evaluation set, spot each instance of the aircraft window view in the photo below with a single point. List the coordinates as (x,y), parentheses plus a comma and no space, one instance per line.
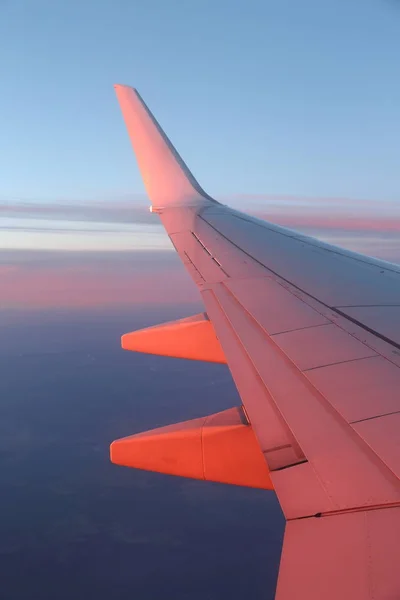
(200,300)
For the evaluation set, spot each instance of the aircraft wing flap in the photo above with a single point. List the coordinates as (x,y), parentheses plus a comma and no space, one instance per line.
(311,497)
(274,436)
(350,472)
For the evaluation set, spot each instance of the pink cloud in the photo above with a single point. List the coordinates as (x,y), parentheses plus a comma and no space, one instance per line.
(95,283)
(7,269)
(150,278)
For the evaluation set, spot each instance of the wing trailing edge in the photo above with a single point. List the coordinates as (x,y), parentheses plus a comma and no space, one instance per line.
(351,556)
(221,447)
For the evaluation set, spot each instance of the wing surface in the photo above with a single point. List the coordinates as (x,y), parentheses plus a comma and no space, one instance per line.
(311,334)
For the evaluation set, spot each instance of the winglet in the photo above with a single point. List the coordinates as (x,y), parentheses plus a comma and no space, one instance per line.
(167,179)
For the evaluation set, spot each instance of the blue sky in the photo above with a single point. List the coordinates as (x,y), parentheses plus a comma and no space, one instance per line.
(260,97)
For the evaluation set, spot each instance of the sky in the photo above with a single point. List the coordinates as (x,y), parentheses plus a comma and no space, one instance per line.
(259,97)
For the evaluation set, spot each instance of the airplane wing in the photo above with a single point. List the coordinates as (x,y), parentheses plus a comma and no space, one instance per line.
(311,335)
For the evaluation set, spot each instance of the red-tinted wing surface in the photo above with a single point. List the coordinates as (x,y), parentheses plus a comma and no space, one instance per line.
(311,335)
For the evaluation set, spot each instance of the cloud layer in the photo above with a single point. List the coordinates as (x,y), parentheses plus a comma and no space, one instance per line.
(113,252)
(54,280)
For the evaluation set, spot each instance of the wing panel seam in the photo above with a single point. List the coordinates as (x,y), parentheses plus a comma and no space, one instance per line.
(357,439)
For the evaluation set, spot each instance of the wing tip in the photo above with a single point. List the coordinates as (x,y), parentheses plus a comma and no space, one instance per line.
(124,86)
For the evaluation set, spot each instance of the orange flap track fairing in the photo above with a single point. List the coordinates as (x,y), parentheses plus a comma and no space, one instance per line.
(221,447)
(193,338)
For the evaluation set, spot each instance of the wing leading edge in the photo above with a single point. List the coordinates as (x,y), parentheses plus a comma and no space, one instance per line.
(310,333)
